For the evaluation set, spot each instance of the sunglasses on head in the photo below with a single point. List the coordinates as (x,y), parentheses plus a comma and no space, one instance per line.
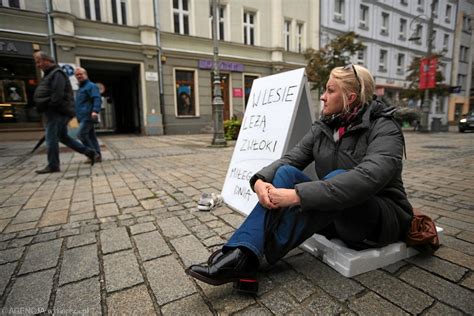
(349,66)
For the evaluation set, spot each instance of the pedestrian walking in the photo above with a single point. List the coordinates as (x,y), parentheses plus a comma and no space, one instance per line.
(54,99)
(359,196)
(88,104)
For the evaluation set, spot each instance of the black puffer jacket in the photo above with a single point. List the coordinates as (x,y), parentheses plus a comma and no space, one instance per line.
(54,93)
(371,152)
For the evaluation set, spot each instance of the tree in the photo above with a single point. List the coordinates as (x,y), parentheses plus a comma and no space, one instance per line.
(413,76)
(335,54)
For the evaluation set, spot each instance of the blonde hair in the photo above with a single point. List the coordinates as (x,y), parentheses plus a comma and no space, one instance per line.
(346,80)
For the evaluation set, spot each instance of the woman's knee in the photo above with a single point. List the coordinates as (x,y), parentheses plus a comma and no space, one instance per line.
(285,171)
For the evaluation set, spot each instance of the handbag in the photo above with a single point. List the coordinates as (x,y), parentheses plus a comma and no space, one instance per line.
(422,234)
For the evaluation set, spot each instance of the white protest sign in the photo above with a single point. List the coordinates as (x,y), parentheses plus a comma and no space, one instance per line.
(268,130)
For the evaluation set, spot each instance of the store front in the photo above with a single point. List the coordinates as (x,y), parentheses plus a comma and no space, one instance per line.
(18,80)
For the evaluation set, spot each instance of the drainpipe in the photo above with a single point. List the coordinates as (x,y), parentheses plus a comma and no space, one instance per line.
(160,66)
(50,29)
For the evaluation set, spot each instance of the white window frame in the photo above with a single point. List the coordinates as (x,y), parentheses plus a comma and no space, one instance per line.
(446,39)
(287,34)
(463,54)
(383,62)
(196,93)
(449,11)
(402,33)
(401,66)
(92,9)
(361,60)
(223,19)
(339,10)
(249,27)
(466,21)
(300,38)
(181,14)
(385,25)
(364,20)
(118,6)
(7,5)
(436,8)
(420,5)
(419,33)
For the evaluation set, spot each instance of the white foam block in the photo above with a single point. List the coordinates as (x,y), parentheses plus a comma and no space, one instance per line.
(349,262)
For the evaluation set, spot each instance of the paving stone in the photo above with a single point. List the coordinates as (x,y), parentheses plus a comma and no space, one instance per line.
(41,256)
(81,217)
(151,245)
(79,263)
(11,255)
(151,204)
(143,194)
(103,198)
(58,205)
(142,228)
(191,305)
(372,304)
(467,236)
(45,237)
(20,242)
(279,302)
(126,201)
(82,298)
(30,293)
(224,299)
(167,270)
(213,241)
(396,291)
(172,227)
(82,207)
(323,276)
(468,282)
(433,264)
(105,210)
(134,301)
(190,250)
(114,239)
(121,271)
(29,215)
(292,282)
(6,271)
(394,267)
(81,240)
(12,228)
(16,201)
(322,304)
(254,310)
(440,309)
(145,219)
(53,218)
(440,289)
(50,229)
(460,245)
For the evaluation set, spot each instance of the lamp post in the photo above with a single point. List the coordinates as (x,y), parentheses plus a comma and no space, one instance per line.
(218,138)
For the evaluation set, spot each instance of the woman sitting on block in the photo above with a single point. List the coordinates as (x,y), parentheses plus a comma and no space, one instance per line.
(358,149)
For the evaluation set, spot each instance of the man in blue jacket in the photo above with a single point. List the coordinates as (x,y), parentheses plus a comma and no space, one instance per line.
(88,102)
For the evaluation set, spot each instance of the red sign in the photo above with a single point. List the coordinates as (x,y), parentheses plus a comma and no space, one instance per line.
(237,92)
(428,73)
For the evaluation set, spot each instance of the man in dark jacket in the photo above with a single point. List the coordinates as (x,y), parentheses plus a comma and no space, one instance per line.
(88,102)
(54,98)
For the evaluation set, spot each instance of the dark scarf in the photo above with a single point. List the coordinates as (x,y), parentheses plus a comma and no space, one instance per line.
(340,121)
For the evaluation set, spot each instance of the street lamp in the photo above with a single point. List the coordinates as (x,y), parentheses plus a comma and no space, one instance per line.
(218,138)
(426,105)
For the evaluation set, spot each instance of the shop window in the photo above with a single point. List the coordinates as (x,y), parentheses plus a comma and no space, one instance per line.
(220,23)
(92,10)
(185,93)
(248,80)
(249,28)
(181,16)
(119,11)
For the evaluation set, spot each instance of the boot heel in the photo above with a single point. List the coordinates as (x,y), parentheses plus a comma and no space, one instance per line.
(247,286)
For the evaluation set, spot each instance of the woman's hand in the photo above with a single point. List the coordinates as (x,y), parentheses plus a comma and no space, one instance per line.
(283,197)
(262,188)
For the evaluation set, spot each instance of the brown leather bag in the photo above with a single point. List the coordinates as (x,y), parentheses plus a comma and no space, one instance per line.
(422,234)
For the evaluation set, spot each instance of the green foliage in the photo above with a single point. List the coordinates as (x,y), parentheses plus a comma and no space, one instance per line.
(414,77)
(407,115)
(335,54)
(232,128)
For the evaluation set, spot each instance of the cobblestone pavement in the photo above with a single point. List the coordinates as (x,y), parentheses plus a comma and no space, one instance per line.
(116,238)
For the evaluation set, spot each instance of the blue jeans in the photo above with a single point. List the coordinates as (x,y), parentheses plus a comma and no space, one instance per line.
(273,233)
(87,135)
(56,131)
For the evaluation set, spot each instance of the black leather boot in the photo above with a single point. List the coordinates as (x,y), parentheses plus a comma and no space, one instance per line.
(214,257)
(231,267)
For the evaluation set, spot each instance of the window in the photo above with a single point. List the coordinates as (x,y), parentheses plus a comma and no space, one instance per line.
(402,34)
(92,10)
(181,16)
(401,63)
(383,60)
(435,5)
(364,16)
(287,34)
(339,10)
(466,21)
(185,93)
(119,11)
(385,23)
(462,81)
(447,19)
(299,37)
(220,23)
(446,42)
(439,105)
(12,4)
(248,80)
(404,2)
(360,57)
(418,34)
(420,5)
(249,28)
(464,54)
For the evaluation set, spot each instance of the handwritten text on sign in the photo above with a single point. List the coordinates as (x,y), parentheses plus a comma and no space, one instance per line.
(263,134)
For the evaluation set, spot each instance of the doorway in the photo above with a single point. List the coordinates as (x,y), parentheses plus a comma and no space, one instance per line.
(119,85)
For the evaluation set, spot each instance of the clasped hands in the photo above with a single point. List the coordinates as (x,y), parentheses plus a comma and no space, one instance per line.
(275,198)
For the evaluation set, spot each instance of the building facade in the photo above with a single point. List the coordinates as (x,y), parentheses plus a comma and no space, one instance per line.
(461,101)
(386,28)
(119,42)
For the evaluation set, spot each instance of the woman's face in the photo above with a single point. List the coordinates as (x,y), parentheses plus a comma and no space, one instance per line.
(332,98)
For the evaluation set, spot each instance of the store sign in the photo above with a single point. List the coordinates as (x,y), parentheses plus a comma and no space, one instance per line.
(277,116)
(237,92)
(223,65)
(151,76)
(428,73)
(15,48)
